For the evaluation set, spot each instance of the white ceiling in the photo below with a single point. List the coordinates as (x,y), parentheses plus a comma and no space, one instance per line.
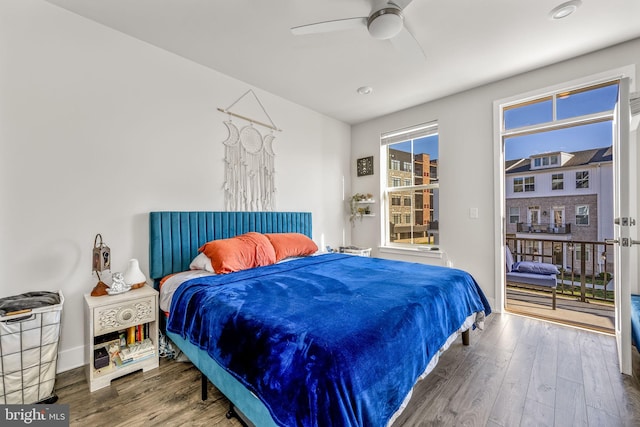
(467,43)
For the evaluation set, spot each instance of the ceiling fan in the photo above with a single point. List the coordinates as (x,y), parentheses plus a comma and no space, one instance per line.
(385,22)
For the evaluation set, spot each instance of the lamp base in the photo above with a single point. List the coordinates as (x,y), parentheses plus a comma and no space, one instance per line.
(100,289)
(138,285)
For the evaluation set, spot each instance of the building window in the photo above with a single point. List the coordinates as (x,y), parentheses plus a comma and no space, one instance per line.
(557,181)
(578,252)
(395,165)
(414,219)
(518,185)
(554,160)
(582,215)
(514,215)
(529,184)
(582,179)
(524,184)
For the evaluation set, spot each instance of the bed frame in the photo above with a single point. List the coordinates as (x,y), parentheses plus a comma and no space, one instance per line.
(174,239)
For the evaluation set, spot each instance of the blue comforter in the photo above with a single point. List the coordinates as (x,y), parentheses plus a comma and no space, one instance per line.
(327,340)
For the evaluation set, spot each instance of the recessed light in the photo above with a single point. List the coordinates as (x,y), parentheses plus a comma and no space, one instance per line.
(365,90)
(565,9)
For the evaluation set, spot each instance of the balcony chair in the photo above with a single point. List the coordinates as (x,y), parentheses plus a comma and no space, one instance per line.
(528,274)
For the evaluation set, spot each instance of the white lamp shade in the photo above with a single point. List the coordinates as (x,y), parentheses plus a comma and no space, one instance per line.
(133,275)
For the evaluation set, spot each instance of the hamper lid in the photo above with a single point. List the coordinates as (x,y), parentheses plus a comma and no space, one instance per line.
(27,301)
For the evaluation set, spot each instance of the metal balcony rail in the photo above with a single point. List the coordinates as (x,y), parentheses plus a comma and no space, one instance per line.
(527,227)
(586,268)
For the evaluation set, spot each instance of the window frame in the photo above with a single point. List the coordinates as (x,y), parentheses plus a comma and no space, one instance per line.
(555,180)
(582,215)
(512,215)
(583,181)
(388,187)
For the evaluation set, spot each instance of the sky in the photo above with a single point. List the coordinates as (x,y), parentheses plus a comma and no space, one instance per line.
(595,135)
(578,138)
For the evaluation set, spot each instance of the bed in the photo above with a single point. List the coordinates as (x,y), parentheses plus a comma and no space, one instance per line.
(324,339)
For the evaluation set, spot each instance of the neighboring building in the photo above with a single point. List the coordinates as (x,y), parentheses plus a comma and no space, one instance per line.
(412,211)
(560,196)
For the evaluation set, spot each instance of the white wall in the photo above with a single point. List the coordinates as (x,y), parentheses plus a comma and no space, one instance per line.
(97,129)
(467,161)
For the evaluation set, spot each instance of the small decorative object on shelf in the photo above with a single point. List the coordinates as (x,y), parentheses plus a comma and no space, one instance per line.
(118,286)
(100,261)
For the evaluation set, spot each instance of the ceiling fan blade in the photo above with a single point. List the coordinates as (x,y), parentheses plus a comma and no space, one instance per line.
(408,46)
(330,26)
(402,4)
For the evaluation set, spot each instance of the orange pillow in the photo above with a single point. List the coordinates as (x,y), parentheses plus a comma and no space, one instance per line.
(291,244)
(239,253)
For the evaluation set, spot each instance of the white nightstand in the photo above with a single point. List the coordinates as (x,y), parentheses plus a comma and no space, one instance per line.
(353,250)
(110,316)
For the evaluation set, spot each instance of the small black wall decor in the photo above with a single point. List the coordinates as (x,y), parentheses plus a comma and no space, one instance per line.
(365,166)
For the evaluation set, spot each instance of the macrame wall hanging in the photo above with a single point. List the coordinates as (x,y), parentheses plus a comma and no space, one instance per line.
(249,177)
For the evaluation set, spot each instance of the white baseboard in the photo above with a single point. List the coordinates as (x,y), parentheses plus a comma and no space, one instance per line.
(71,358)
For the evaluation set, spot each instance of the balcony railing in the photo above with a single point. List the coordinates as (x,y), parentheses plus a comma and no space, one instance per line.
(526,227)
(586,268)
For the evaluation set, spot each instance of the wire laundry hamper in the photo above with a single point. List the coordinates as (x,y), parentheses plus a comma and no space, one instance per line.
(29,334)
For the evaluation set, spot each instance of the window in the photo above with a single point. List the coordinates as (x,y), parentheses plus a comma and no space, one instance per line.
(529,184)
(514,215)
(395,165)
(557,181)
(582,179)
(411,216)
(582,215)
(554,160)
(561,105)
(518,185)
(578,252)
(524,184)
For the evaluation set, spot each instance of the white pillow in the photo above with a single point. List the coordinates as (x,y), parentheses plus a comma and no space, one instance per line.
(201,262)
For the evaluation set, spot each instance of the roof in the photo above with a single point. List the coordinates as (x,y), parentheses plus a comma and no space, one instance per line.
(580,158)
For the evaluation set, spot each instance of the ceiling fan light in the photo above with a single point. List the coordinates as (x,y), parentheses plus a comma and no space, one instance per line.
(385,23)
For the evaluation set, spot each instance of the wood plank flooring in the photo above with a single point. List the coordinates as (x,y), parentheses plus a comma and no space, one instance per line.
(517,372)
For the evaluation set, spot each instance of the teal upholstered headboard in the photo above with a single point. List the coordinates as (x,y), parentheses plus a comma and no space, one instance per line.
(174,237)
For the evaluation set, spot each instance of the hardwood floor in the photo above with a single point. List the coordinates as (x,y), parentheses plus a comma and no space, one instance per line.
(517,372)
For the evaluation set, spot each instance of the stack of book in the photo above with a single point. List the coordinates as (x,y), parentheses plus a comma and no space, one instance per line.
(137,351)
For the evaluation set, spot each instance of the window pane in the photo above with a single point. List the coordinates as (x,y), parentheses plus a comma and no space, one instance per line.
(412,214)
(529,113)
(425,159)
(583,102)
